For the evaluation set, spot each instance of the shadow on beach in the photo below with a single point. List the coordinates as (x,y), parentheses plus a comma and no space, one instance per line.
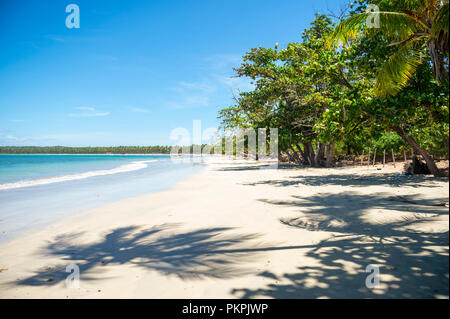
(257,166)
(199,254)
(412,263)
(380,179)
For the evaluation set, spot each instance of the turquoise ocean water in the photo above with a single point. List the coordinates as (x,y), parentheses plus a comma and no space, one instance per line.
(38,189)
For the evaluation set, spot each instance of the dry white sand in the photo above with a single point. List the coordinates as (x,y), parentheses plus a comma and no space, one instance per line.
(236,231)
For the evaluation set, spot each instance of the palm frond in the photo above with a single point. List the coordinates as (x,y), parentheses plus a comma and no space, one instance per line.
(395,73)
(412,4)
(348,29)
(393,26)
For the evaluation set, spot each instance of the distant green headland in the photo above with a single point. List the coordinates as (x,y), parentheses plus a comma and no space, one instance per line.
(85,150)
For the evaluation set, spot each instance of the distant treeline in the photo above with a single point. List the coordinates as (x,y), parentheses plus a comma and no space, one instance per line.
(85,150)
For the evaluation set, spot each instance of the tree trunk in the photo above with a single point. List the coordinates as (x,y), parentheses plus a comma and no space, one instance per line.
(319,154)
(295,155)
(305,154)
(438,61)
(330,148)
(447,146)
(290,157)
(312,154)
(426,156)
(302,154)
(393,156)
(309,153)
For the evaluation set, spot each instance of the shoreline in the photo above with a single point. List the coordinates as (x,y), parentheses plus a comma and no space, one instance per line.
(36,203)
(231,231)
(123,168)
(66,219)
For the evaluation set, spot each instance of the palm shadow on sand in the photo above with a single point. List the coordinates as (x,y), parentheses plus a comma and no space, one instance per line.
(355,180)
(412,263)
(198,254)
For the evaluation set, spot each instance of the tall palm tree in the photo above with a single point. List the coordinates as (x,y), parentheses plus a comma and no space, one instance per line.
(416,20)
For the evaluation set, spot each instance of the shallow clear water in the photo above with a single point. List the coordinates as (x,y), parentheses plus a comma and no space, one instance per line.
(27,167)
(38,189)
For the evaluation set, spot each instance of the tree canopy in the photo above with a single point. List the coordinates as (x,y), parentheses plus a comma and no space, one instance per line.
(325,98)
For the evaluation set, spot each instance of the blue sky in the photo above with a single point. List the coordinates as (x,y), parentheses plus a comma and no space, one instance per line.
(134,70)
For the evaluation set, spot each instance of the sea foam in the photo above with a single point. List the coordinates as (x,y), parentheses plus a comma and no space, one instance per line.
(133,166)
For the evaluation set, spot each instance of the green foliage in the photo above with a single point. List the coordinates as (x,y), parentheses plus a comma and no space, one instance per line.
(411,27)
(357,97)
(389,141)
(295,87)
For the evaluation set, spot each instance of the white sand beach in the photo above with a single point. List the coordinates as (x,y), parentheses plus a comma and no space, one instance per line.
(242,231)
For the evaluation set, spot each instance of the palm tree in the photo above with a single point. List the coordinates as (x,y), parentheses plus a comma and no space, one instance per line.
(416,21)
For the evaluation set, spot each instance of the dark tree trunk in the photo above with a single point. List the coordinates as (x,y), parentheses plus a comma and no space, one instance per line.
(289,155)
(309,153)
(417,167)
(447,147)
(302,153)
(426,156)
(330,148)
(312,155)
(438,61)
(297,159)
(320,150)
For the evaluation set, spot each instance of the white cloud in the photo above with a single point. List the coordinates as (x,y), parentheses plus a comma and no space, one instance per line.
(210,90)
(192,94)
(14,138)
(86,111)
(67,139)
(11,140)
(199,86)
(189,101)
(224,61)
(139,110)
